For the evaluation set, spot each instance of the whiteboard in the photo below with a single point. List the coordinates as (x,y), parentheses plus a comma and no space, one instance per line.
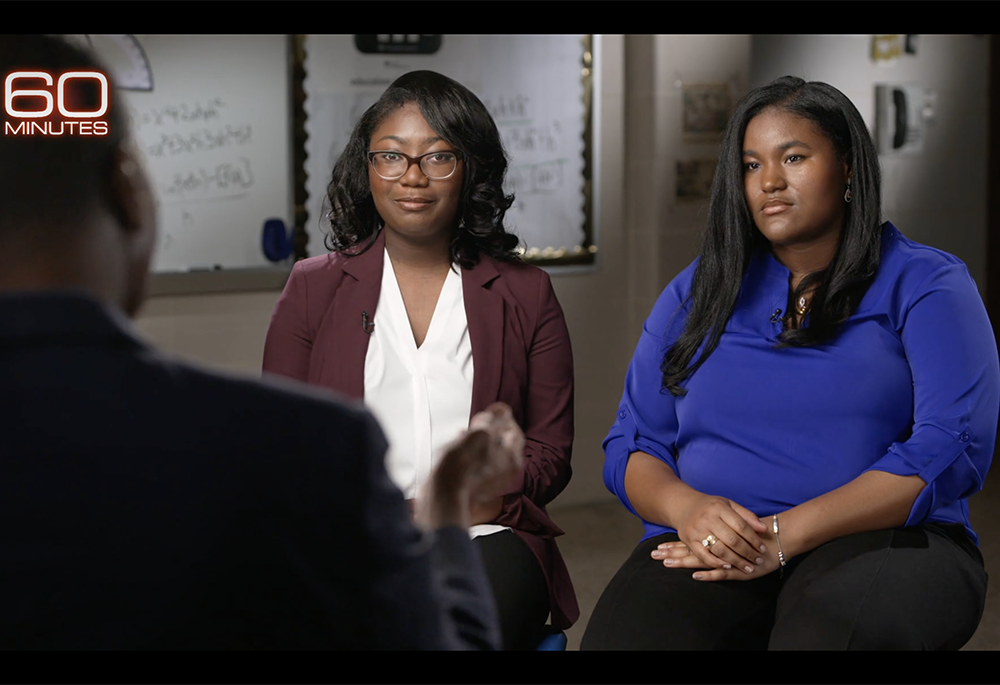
(212,117)
(531,85)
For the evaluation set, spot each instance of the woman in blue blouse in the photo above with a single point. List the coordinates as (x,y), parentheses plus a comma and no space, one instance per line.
(809,407)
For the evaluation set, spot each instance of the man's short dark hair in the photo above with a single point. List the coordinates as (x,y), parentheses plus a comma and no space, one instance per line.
(52,182)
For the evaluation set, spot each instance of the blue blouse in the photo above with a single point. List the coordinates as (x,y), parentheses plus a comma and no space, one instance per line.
(910,386)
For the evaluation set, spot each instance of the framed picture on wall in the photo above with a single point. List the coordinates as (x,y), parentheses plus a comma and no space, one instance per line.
(706,111)
(694,179)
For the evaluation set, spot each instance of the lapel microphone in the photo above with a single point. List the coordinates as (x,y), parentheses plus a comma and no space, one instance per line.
(366,324)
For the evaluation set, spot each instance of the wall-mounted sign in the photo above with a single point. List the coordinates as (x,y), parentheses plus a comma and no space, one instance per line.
(398,43)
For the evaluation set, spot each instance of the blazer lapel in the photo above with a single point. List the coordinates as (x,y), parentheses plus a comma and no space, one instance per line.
(484,312)
(354,307)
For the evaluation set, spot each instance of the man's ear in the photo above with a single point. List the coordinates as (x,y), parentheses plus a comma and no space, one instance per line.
(133,207)
(126,188)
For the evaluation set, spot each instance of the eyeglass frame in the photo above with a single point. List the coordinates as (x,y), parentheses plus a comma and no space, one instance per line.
(410,161)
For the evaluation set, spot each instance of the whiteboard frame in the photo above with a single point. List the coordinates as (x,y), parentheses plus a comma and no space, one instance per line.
(585,254)
(581,257)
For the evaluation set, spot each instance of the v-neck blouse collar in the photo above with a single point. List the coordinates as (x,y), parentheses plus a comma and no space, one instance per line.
(451,291)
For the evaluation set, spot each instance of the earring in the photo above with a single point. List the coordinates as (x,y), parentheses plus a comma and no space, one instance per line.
(847,193)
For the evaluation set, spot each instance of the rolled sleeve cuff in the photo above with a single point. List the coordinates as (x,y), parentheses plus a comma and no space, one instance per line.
(619,446)
(941,459)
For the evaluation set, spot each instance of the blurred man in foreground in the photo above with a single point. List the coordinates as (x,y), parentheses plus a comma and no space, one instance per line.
(148,504)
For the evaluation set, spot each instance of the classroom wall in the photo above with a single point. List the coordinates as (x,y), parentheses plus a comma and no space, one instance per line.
(644,240)
(666,231)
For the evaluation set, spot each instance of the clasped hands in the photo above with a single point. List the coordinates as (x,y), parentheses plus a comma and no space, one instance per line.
(467,483)
(740,545)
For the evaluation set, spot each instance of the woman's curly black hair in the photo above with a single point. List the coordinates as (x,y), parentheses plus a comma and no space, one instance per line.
(460,118)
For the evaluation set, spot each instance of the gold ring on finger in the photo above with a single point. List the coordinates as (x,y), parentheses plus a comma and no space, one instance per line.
(709,541)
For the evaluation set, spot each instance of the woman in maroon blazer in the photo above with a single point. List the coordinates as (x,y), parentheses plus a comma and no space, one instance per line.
(424,310)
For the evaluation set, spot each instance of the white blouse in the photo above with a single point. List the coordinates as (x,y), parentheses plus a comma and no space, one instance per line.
(422,396)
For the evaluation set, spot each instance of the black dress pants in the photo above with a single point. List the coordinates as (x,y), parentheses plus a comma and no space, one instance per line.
(519,588)
(914,588)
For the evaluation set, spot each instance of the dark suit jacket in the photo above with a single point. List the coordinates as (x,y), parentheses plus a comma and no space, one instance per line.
(148,504)
(521,356)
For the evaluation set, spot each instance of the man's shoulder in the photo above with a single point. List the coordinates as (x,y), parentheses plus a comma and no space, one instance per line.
(270,389)
(266,408)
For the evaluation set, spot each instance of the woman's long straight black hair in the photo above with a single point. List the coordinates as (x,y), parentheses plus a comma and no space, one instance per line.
(731,238)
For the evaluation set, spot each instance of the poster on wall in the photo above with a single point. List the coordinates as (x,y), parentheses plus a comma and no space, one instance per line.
(694,179)
(531,85)
(706,111)
(887,48)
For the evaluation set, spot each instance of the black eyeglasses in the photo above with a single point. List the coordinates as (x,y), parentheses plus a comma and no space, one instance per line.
(391,165)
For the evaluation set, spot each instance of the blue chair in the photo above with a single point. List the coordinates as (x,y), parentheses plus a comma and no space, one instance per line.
(554,641)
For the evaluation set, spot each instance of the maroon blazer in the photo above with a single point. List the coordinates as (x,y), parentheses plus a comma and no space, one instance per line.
(521,356)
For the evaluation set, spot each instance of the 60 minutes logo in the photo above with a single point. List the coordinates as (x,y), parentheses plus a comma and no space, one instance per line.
(75,122)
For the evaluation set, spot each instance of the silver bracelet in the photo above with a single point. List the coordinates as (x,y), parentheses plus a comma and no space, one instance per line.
(781,554)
